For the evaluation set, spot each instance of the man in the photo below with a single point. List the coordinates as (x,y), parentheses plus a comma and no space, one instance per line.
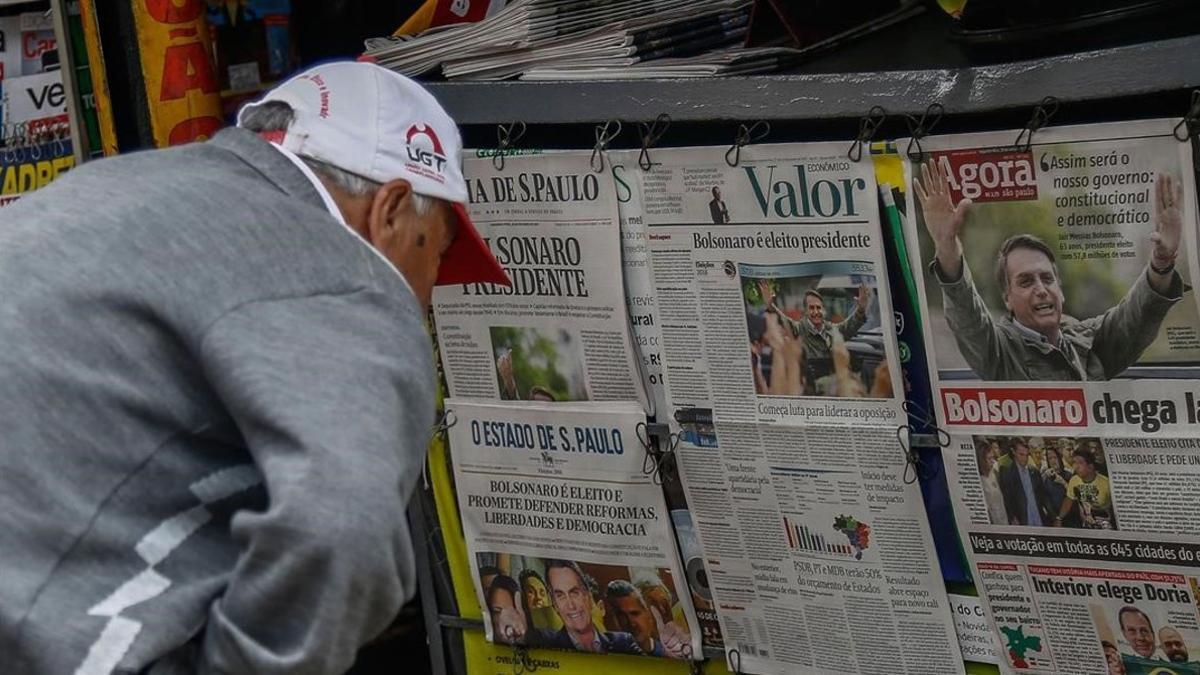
(1173,646)
(510,624)
(653,634)
(573,602)
(1137,630)
(717,208)
(216,386)
(817,334)
(1035,341)
(488,574)
(1023,490)
(508,383)
(1088,489)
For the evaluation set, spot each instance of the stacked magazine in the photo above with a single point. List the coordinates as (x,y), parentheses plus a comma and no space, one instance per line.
(569,39)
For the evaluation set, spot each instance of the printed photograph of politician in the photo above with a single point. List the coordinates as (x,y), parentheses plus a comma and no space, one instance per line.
(814,330)
(563,604)
(1045,482)
(535,364)
(1043,284)
(1147,639)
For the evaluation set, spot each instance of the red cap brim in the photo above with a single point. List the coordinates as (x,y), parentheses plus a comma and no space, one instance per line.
(468,260)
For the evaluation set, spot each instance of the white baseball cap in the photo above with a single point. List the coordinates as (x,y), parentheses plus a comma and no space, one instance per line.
(376,123)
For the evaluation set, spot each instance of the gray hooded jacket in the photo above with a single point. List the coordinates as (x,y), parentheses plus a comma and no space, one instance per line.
(214,404)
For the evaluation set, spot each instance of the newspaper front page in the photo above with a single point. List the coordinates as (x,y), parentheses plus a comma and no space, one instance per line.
(779,353)
(1056,280)
(560,332)
(1085,549)
(570,538)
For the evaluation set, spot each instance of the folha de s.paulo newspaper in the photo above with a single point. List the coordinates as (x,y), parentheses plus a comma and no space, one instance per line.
(560,332)
(1055,280)
(779,352)
(569,537)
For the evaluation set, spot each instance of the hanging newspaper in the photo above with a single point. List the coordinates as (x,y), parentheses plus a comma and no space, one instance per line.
(1056,279)
(571,538)
(1085,549)
(635,258)
(779,352)
(560,332)
(771,287)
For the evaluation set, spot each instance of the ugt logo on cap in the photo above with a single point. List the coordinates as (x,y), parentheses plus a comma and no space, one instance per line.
(427,153)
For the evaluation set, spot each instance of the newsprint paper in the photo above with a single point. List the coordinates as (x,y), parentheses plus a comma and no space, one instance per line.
(1085,550)
(570,538)
(780,357)
(560,332)
(1056,279)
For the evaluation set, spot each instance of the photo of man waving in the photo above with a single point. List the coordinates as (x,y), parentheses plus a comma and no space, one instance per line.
(1035,339)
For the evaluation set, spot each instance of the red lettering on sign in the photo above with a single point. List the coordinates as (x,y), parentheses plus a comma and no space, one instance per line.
(174,11)
(1034,407)
(186,67)
(32,46)
(194,129)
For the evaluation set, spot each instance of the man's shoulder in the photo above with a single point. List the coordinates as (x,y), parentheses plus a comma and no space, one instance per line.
(621,642)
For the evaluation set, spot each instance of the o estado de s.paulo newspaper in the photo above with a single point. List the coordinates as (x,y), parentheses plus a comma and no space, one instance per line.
(1055,280)
(1085,550)
(780,358)
(569,537)
(561,331)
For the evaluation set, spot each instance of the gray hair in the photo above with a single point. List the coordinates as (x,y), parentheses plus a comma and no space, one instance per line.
(278,116)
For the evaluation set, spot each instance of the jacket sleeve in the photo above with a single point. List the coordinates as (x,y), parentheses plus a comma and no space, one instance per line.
(1126,330)
(975,332)
(853,323)
(333,396)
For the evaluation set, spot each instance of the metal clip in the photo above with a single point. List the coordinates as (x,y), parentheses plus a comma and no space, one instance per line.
(1190,124)
(650,134)
(505,139)
(745,136)
(522,661)
(918,129)
(867,126)
(603,138)
(735,661)
(1042,114)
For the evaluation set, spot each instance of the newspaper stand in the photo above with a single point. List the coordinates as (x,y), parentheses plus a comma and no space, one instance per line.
(825,98)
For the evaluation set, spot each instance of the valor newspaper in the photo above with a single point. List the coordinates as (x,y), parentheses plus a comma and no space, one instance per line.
(569,536)
(780,355)
(1055,279)
(560,332)
(1085,549)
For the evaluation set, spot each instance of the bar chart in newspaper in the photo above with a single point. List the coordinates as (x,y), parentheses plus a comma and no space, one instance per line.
(847,538)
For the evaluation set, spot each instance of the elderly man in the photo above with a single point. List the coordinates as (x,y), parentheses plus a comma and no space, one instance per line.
(216,386)
(1035,341)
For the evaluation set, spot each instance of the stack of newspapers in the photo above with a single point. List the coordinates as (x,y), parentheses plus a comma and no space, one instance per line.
(587,39)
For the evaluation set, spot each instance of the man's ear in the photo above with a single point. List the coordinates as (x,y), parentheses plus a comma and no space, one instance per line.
(1004,297)
(391,199)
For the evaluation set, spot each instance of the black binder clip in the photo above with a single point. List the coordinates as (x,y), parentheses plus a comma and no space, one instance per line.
(603,138)
(522,661)
(657,463)
(867,126)
(745,136)
(918,129)
(1190,124)
(914,468)
(696,667)
(507,136)
(1041,117)
(650,134)
(735,661)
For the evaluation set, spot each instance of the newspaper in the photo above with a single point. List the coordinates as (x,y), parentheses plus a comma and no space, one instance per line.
(819,555)
(779,352)
(635,258)
(1089,561)
(571,538)
(772,293)
(560,332)
(1056,281)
